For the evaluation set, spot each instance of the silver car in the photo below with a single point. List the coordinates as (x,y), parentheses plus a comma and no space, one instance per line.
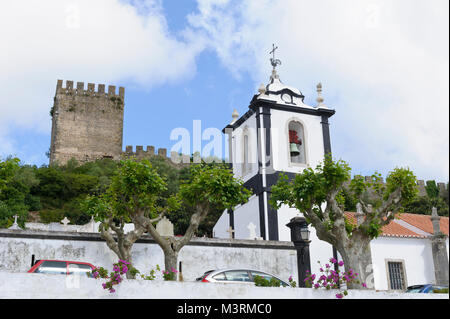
(237,276)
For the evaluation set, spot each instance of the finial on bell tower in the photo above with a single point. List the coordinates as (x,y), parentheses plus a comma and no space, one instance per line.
(262,89)
(235,116)
(319,96)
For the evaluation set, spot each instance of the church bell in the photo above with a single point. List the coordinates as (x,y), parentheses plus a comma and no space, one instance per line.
(294,149)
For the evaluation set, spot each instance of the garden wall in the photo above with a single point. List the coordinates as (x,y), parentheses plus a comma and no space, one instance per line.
(200,255)
(18,285)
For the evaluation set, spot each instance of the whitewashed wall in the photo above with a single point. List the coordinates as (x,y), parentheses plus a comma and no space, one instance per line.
(28,286)
(202,254)
(280,140)
(414,252)
(249,128)
(244,215)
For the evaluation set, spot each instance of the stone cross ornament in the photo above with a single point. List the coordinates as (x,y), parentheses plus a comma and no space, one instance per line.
(230,231)
(15,225)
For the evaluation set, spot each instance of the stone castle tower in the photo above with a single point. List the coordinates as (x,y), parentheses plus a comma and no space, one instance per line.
(86,124)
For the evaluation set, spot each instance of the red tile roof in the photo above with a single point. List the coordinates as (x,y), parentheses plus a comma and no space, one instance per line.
(394,229)
(423,222)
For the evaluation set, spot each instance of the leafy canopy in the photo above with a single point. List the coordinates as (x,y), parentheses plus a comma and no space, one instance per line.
(135,188)
(310,189)
(214,185)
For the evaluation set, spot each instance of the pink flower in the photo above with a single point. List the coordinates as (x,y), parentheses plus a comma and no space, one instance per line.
(333,260)
(341,263)
(339,296)
(364,285)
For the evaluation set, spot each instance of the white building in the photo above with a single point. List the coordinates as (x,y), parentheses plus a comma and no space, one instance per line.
(280,133)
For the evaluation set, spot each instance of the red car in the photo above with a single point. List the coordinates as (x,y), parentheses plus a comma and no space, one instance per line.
(61,267)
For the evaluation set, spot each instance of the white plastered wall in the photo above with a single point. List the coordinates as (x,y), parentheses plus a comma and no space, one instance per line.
(280,140)
(247,128)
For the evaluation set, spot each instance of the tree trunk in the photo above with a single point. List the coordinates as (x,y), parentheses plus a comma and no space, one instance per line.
(120,250)
(170,261)
(357,256)
(127,257)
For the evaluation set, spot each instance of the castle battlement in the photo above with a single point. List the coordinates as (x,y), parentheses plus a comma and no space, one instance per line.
(421,184)
(90,90)
(140,154)
(147,153)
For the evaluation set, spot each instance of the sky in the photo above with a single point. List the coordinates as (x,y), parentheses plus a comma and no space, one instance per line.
(383,64)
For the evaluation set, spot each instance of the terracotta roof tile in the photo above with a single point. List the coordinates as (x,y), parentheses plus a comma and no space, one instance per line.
(423,222)
(393,229)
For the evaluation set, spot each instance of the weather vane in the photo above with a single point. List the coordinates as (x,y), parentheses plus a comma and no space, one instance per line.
(274,61)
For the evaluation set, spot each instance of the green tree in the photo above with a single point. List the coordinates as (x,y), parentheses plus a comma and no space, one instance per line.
(131,198)
(317,194)
(12,193)
(208,186)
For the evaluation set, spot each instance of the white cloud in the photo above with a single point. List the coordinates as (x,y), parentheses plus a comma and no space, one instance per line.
(384,66)
(97,41)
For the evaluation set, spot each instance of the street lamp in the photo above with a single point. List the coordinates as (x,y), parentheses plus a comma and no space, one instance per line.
(304,233)
(300,235)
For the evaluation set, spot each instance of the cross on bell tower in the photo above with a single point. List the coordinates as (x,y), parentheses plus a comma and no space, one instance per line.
(274,61)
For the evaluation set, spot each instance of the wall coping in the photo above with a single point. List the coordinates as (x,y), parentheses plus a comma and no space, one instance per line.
(20,285)
(147,239)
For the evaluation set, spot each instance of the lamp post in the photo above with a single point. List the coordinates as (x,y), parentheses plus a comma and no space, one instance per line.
(300,237)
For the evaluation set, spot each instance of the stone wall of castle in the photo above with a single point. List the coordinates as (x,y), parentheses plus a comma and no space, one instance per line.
(175,159)
(443,189)
(87,124)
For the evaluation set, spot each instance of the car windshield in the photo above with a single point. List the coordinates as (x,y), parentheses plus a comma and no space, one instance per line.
(267,277)
(414,290)
(80,269)
(237,275)
(52,267)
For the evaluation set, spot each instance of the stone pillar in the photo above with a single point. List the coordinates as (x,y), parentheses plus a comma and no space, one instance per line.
(302,246)
(439,250)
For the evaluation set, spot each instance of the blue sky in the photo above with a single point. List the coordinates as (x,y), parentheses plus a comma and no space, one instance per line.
(383,65)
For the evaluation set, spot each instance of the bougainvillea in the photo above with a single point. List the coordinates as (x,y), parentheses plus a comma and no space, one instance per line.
(332,279)
(115,277)
(169,274)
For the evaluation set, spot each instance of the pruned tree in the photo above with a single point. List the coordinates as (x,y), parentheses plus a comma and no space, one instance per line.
(207,186)
(131,198)
(318,195)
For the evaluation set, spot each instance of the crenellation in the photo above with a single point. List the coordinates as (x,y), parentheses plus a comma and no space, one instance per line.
(162,152)
(175,160)
(91,88)
(80,87)
(111,90)
(421,187)
(443,191)
(90,91)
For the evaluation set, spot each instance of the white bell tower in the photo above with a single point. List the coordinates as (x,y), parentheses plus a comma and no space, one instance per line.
(278,133)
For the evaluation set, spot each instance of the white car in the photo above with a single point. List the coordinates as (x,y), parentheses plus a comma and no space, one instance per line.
(237,276)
